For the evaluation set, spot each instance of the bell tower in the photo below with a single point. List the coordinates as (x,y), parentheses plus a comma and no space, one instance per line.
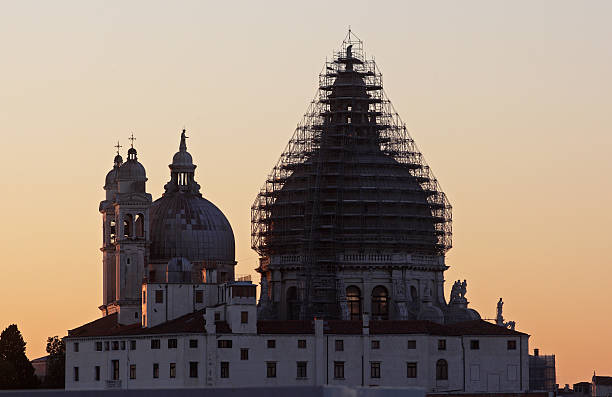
(126,240)
(109,233)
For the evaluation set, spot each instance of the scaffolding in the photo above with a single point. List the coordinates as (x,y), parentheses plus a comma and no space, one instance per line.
(351,179)
(542,373)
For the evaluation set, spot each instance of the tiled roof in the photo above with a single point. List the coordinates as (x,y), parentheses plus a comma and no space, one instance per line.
(340,327)
(475,327)
(194,323)
(108,326)
(602,380)
(105,326)
(480,327)
(285,327)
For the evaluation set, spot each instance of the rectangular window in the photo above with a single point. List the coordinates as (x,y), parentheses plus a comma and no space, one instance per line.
(193,369)
(193,343)
(338,369)
(244,317)
(155,343)
(115,369)
(155,370)
(132,371)
(244,354)
(106,345)
(475,372)
(375,344)
(224,343)
(225,369)
(122,345)
(76,374)
(375,369)
(511,345)
(441,344)
(339,345)
(98,346)
(115,345)
(411,344)
(159,296)
(271,369)
(475,344)
(301,343)
(217,316)
(173,370)
(76,347)
(172,343)
(144,297)
(513,372)
(199,296)
(132,345)
(411,370)
(271,343)
(301,369)
(97,373)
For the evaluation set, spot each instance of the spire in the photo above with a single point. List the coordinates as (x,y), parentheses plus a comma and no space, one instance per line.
(131,151)
(118,159)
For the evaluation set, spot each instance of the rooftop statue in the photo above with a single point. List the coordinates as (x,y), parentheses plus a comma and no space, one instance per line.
(458,291)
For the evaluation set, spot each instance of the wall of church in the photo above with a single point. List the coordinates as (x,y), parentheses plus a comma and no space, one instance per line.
(405,286)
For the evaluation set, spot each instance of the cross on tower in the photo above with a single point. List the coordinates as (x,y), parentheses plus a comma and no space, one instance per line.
(118,146)
(131,138)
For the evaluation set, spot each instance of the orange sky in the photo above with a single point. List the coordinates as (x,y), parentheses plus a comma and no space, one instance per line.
(509,101)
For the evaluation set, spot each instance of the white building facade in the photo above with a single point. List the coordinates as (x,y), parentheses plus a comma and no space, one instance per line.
(224,345)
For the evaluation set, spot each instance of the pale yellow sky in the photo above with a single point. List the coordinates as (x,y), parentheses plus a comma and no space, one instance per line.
(509,101)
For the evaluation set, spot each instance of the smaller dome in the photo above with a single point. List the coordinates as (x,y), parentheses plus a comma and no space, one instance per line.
(431,313)
(131,151)
(458,314)
(132,170)
(182,158)
(118,160)
(110,182)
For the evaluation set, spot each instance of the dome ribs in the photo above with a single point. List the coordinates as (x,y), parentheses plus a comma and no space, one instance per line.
(352,142)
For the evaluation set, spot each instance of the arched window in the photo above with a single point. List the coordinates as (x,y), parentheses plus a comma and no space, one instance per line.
(441,370)
(183,179)
(127,226)
(139,225)
(380,303)
(293,307)
(413,293)
(353,297)
(112,232)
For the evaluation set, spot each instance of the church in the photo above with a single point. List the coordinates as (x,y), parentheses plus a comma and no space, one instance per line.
(352,229)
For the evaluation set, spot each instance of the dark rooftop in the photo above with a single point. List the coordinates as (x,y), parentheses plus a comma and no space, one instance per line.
(194,323)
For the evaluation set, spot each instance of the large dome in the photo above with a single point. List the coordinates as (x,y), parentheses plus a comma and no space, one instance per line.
(189,226)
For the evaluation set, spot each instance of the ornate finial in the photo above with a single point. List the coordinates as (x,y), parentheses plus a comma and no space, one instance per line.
(131,138)
(118,146)
(183,145)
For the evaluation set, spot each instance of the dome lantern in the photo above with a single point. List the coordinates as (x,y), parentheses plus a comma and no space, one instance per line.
(182,171)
